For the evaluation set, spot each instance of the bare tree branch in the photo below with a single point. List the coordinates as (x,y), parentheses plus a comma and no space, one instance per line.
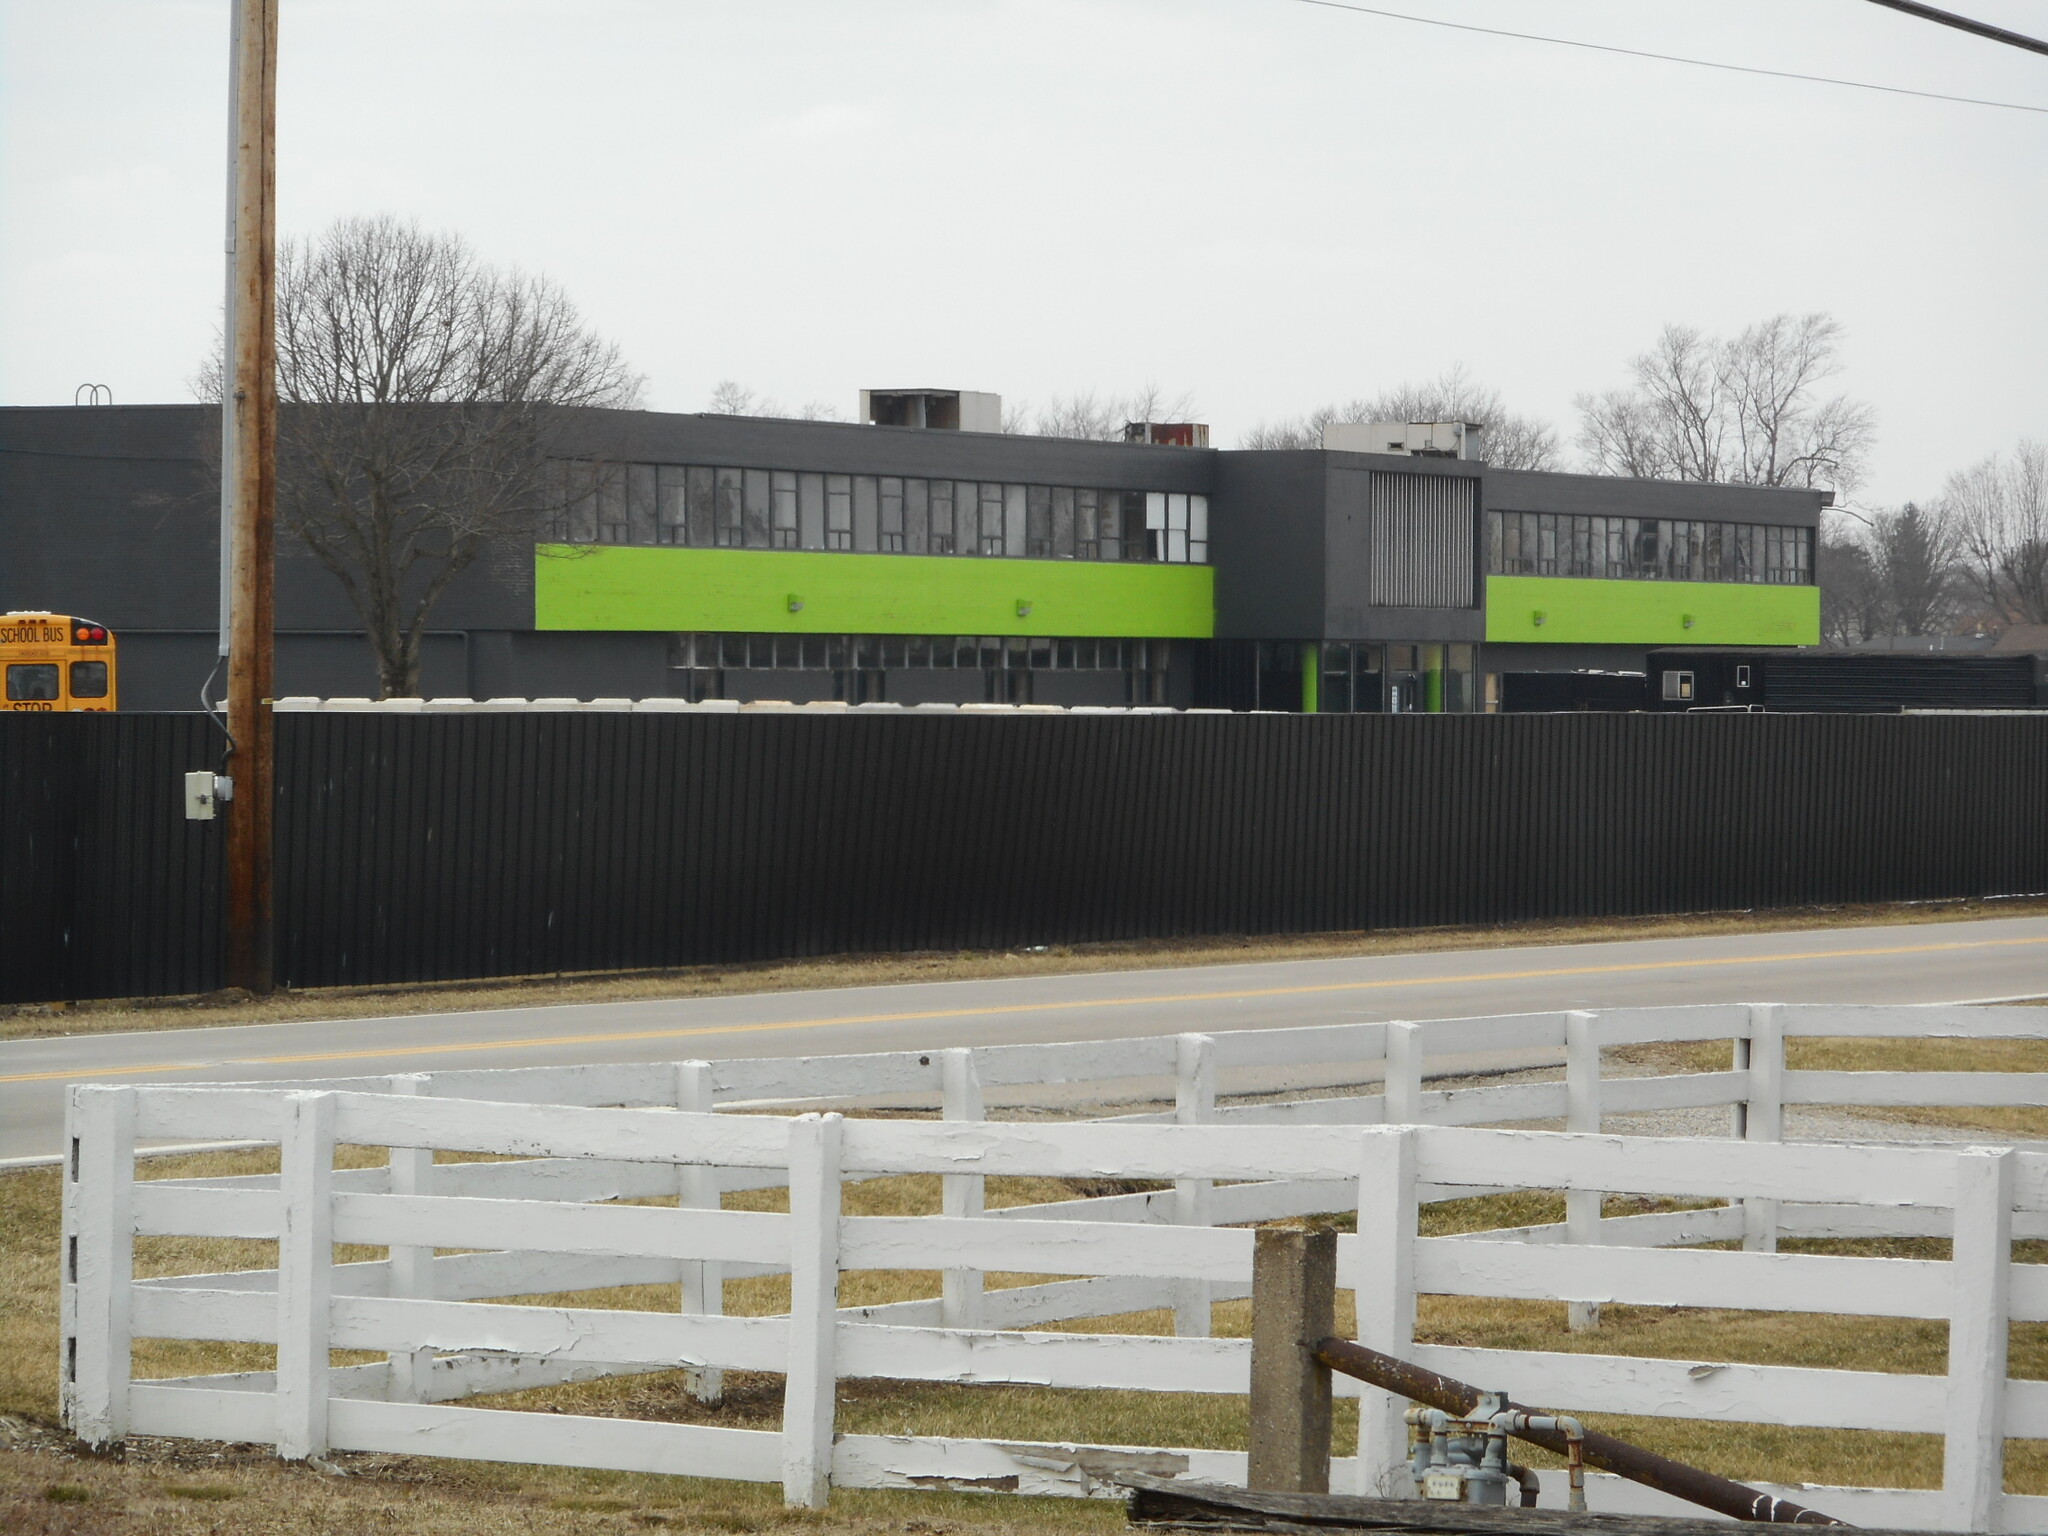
(419,389)
(1512,441)
(1743,411)
(1999,508)
(1098,418)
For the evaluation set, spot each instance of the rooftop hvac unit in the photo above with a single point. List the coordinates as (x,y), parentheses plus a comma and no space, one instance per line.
(954,410)
(1171,434)
(1420,439)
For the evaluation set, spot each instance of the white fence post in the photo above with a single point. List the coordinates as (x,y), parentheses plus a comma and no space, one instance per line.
(961,1194)
(305,1274)
(1765,1117)
(99,1356)
(1384,1292)
(412,1265)
(1194,1102)
(703,1288)
(811,1384)
(1582,1113)
(1404,1074)
(1973,1453)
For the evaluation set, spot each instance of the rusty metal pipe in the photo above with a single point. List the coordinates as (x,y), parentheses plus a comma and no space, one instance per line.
(1677,1478)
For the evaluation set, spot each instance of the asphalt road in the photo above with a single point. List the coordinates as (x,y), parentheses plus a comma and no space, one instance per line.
(1936,962)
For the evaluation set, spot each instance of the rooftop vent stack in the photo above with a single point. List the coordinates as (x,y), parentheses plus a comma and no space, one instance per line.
(1416,439)
(1170,434)
(946,410)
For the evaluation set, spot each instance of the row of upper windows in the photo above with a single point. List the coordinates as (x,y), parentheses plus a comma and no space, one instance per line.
(1646,549)
(715,507)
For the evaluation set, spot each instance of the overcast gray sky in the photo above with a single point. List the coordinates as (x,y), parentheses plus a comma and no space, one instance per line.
(1265,202)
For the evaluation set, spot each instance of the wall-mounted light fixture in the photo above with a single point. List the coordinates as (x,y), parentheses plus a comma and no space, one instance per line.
(1685,619)
(1539,616)
(1023,607)
(796,604)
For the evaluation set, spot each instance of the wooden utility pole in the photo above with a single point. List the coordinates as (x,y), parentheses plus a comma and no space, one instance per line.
(252,398)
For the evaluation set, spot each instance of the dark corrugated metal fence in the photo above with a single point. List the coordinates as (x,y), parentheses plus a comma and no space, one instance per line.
(432,847)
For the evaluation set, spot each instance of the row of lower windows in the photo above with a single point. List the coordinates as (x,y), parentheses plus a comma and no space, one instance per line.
(724,507)
(838,653)
(1647,549)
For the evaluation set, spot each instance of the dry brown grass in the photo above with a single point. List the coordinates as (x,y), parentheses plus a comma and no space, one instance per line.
(1850,1054)
(176,1487)
(103,1017)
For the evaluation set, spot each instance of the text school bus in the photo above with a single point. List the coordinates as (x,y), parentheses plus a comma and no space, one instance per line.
(56,663)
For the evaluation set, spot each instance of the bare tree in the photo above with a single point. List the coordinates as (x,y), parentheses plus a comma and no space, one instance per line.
(419,391)
(1744,410)
(1097,418)
(1893,574)
(1999,508)
(733,398)
(1513,441)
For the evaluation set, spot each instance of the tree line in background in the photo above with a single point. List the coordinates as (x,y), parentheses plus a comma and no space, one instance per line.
(374,314)
(1971,561)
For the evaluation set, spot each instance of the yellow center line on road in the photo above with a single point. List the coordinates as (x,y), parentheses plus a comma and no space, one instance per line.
(990,1010)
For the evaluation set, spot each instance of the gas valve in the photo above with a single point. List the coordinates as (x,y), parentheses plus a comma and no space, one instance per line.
(1465,1460)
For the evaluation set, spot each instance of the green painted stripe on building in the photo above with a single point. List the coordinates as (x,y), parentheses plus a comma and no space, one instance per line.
(626,587)
(1580,612)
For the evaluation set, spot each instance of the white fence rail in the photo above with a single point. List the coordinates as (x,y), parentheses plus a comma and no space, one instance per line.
(579,1138)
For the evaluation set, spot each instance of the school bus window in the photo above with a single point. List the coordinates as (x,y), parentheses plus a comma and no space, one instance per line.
(32,680)
(88,679)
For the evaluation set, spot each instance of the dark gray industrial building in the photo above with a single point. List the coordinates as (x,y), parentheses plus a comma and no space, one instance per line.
(753,558)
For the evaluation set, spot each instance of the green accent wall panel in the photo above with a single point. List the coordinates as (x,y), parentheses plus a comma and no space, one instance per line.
(1580,612)
(630,587)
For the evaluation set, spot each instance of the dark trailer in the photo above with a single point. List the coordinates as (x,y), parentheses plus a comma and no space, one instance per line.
(1844,682)
(1528,693)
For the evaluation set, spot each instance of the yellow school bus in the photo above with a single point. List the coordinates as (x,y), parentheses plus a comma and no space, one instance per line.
(53,662)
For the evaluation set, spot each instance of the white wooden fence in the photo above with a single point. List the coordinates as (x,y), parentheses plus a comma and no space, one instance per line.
(580,1137)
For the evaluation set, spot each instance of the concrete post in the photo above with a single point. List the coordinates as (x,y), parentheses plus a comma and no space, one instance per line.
(1294,1305)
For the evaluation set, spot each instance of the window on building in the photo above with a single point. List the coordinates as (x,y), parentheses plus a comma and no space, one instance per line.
(839,511)
(731,528)
(991,517)
(1678,687)
(892,516)
(784,523)
(703,500)
(942,517)
(1137,537)
(613,524)
(866,513)
(1038,521)
(1087,525)
(1016,521)
(917,517)
(810,511)
(672,504)
(642,503)
(759,509)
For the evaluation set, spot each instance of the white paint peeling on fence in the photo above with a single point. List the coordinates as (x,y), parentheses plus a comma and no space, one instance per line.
(581,1138)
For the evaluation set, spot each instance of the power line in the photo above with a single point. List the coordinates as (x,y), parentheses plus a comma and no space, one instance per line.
(1667,58)
(1965,24)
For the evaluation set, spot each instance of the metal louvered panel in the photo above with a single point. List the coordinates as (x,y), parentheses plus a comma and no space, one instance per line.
(1423,530)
